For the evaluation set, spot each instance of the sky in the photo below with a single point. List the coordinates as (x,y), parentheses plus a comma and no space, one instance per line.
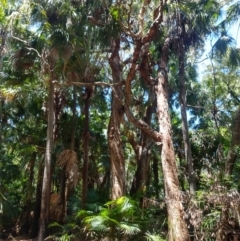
(233,31)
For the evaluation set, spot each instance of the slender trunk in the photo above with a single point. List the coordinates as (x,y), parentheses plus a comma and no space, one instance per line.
(74,117)
(37,207)
(30,187)
(114,136)
(142,153)
(185,133)
(177,228)
(64,181)
(63,191)
(156,176)
(232,153)
(46,186)
(86,136)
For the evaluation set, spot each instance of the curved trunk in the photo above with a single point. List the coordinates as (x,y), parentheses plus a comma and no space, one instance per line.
(185,133)
(177,228)
(232,153)
(46,186)
(114,135)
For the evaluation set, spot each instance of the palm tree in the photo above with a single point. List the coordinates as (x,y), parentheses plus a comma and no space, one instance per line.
(190,27)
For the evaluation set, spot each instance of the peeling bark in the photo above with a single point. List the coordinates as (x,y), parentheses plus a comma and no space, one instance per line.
(114,135)
(177,228)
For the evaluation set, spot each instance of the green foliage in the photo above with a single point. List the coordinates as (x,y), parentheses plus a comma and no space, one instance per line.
(81,35)
(153,237)
(118,219)
(64,233)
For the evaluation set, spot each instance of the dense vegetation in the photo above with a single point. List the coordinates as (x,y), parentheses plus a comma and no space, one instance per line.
(108,128)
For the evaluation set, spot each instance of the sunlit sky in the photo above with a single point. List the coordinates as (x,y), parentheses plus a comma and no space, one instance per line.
(233,31)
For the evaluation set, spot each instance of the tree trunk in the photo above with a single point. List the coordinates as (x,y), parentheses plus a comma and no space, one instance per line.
(177,228)
(114,135)
(46,186)
(232,153)
(86,135)
(142,152)
(74,117)
(156,176)
(37,207)
(30,188)
(185,133)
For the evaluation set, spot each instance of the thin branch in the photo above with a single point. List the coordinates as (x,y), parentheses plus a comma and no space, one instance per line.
(196,106)
(200,61)
(70,83)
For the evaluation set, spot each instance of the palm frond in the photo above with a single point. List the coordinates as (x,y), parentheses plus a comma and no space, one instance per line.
(128,229)
(153,237)
(223,43)
(233,13)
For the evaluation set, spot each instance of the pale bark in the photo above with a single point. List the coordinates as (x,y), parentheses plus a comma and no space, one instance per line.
(185,132)
(177,228)
(114,135)
(46,186)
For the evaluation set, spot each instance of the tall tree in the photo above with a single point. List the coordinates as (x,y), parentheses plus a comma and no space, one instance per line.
(176,223)
(116,118)
(46,185)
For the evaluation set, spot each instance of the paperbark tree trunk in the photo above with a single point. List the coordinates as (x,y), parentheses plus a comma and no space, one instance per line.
(46,186)
(177,228)
(185,132)
(114,135)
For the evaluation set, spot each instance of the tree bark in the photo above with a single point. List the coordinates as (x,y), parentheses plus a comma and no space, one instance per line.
(177,228)
(185,132)
(114,135)
(86,135)
(46,186)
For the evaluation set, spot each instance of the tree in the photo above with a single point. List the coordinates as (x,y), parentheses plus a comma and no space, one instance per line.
(116,118)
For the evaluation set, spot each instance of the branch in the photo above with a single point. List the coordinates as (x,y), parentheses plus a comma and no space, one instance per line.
(25,42)
(70,83)
(156,136)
